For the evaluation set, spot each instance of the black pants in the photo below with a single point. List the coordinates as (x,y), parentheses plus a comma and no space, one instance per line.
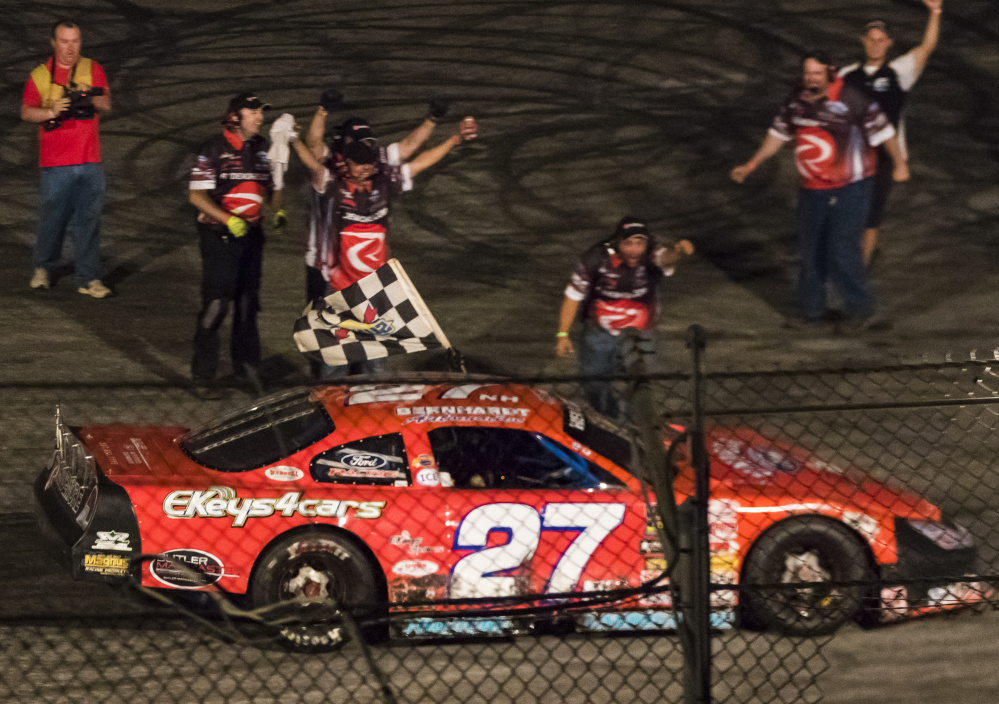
(882,187)
(230,273)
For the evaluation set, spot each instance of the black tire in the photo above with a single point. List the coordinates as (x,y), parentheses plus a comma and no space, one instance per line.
(805,549)
(315,576)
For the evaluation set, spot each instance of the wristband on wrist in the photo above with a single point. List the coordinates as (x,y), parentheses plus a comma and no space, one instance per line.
(561,334)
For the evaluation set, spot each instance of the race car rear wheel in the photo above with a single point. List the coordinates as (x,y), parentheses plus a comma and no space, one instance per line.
(316,580)
(807,549)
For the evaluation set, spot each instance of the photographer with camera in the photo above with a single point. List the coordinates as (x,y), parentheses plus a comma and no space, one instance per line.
(65,97)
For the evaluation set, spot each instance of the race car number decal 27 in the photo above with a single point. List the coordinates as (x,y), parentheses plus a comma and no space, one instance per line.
(475,575)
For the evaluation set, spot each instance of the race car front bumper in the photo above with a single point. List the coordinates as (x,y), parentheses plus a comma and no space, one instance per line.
(934,572)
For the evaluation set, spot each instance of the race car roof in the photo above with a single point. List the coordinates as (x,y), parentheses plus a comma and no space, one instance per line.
(440,403)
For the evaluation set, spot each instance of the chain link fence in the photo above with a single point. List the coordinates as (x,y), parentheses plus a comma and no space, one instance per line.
(479,539)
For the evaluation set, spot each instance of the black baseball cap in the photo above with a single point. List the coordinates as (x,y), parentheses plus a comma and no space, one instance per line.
(355,129)
(246,100)
(631,227)
(359,153)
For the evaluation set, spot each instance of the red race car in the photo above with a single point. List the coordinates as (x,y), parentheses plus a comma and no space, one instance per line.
(407,494)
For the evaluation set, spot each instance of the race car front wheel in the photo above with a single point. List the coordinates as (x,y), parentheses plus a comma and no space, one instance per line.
(826,570)
(311,584)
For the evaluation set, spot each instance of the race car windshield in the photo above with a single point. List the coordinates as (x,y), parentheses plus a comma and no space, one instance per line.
(270,430)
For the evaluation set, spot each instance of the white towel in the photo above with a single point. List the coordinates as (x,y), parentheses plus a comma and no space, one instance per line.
(282,131)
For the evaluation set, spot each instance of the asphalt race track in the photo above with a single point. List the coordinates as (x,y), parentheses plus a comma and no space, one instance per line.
(587,111)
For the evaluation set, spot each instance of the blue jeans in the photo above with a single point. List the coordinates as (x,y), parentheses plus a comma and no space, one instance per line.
(599,355)
(71,200)
(829,225)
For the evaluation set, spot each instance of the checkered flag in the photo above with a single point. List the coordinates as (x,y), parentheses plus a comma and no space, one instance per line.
(381,314)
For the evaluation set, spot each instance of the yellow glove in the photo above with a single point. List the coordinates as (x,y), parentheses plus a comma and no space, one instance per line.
(237,226)
(280,218)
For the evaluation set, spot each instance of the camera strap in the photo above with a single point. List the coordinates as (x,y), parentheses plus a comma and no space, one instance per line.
(44,78)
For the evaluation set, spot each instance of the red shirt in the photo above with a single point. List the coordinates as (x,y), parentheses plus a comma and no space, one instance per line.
(75,141)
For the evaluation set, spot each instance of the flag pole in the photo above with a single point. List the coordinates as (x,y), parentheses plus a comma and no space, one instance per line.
(418,303)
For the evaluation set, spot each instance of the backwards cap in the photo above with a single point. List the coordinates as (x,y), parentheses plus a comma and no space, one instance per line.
(876,24)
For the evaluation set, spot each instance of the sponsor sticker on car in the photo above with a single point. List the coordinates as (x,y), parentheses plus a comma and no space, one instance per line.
(187,568)
(106,565)
(413,544)
(284,474)
(428,477)
(415,568)
(111,540)
(462,414)
(220,502)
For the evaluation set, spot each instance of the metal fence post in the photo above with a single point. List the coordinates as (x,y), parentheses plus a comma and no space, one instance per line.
(697,580)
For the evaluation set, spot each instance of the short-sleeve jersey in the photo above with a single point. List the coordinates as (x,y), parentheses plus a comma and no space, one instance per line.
(887,84)
(74,141)
(833,136)
(615,296)
(236,174)
(348,224)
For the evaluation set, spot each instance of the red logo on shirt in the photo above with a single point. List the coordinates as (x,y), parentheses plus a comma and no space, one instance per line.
(362,250)
(245,200)
(615,316)
(815,153)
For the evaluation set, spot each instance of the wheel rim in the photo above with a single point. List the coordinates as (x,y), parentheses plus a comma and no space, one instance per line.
(808,602)
(311,578)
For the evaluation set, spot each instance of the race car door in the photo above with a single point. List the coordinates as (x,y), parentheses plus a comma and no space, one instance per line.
(532,517)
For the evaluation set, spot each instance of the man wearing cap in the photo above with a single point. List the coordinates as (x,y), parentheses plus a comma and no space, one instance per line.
(230,182)
(355,187)
(888,82)
(615,284)
(835,128)
(322,245)
(66,97)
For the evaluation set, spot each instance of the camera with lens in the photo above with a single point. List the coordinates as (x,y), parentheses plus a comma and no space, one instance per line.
(81,107)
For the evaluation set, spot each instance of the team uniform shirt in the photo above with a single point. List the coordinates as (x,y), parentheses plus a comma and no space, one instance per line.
(236,174)
(833,136)
(75,141)
(888,85)
(617,296)
(348,225)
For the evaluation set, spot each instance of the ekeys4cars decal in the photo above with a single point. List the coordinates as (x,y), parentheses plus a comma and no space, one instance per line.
(219,502)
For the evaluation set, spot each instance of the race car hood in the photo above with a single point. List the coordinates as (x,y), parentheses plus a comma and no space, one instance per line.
(129,452)
(749,463)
